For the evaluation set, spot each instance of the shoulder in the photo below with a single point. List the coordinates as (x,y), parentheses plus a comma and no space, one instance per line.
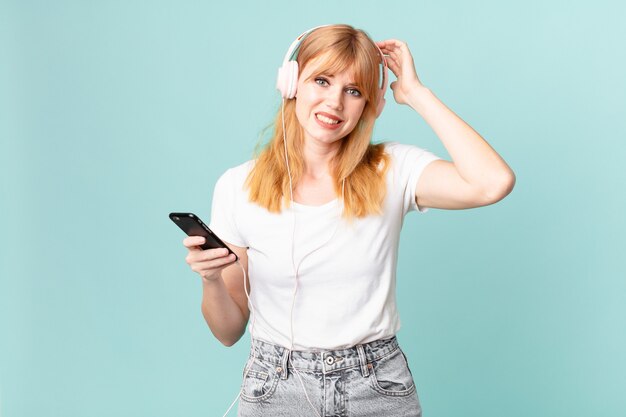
(237,174)
(232,181)
(407,162)
(398,150)
(406,156)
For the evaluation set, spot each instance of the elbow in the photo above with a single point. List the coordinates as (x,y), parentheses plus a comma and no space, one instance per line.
(501,188)
(226,335)
(228,342)
(507,184)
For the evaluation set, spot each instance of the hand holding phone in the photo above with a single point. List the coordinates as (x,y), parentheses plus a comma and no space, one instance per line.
(193,226)
(208,255)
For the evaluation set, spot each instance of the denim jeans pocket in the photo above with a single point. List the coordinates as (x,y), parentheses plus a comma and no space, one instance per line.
(259,381)
(391,375)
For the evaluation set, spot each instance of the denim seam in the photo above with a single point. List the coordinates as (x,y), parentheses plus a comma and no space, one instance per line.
(399,393)
(272,389)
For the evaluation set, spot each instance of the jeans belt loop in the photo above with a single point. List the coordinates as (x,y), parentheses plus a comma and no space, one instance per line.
(284,363)
(363,361)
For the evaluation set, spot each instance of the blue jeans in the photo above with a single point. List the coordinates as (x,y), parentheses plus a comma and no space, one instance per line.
(367,380)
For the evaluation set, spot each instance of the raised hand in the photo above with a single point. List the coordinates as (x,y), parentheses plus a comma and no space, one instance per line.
(400,62)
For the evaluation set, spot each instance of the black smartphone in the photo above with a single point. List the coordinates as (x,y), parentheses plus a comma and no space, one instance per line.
(193,226)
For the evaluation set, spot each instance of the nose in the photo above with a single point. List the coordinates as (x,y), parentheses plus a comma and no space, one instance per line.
(334,98)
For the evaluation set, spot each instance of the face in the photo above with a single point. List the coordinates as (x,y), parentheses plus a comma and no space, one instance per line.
(328,106)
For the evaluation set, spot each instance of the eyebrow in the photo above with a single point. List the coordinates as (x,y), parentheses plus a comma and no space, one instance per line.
(325,74)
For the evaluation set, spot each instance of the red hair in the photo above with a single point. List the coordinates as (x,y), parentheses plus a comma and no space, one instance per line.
(361,164)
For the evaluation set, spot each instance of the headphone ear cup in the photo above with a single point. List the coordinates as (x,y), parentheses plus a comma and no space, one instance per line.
(287,80)
(281,81)
(293,78)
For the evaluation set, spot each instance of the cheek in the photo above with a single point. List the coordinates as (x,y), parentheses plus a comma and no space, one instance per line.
(308,94)
(355,116)
(305,99)
(357,111)
(301,109)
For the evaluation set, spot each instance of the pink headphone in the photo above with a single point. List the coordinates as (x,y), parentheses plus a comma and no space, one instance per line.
(287,80)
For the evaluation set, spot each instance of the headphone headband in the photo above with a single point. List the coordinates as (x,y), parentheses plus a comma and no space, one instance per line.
(295,44)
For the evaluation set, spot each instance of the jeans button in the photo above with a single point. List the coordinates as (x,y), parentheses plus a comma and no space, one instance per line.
(329,360)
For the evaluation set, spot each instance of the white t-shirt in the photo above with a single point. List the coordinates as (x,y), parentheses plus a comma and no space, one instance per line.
(346,272)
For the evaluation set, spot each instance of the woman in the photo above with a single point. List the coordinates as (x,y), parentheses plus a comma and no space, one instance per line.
(315,219)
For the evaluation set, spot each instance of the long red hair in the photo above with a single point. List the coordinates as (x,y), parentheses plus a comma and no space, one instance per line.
(359,162)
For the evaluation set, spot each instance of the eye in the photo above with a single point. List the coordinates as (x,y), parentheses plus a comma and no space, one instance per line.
(353,92)
(321,81)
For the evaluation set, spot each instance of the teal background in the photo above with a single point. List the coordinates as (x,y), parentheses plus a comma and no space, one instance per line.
(113,114)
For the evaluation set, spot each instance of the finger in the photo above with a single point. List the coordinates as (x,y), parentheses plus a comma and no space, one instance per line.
(393,58)
(213,264)
(214,253)
(387,50)
(209,255)
(192,242)
(396,57)
(393,65)
(388,43)
(400,49)
(402,59)
(397,43)
(398,52)
(391,45)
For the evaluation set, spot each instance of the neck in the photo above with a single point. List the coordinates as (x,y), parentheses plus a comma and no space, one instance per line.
(317,158)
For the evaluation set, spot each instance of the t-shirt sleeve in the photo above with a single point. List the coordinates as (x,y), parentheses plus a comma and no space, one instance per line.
(224,210)
(410,162)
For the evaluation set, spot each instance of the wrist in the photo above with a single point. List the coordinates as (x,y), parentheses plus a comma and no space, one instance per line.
(418,97)
(212,282)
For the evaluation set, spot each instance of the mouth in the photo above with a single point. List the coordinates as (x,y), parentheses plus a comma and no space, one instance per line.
(328,120)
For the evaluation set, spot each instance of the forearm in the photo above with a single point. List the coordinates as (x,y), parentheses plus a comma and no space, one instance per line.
(476,161)
(224,317)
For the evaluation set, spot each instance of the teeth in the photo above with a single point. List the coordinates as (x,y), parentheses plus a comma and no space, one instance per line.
(326,119)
